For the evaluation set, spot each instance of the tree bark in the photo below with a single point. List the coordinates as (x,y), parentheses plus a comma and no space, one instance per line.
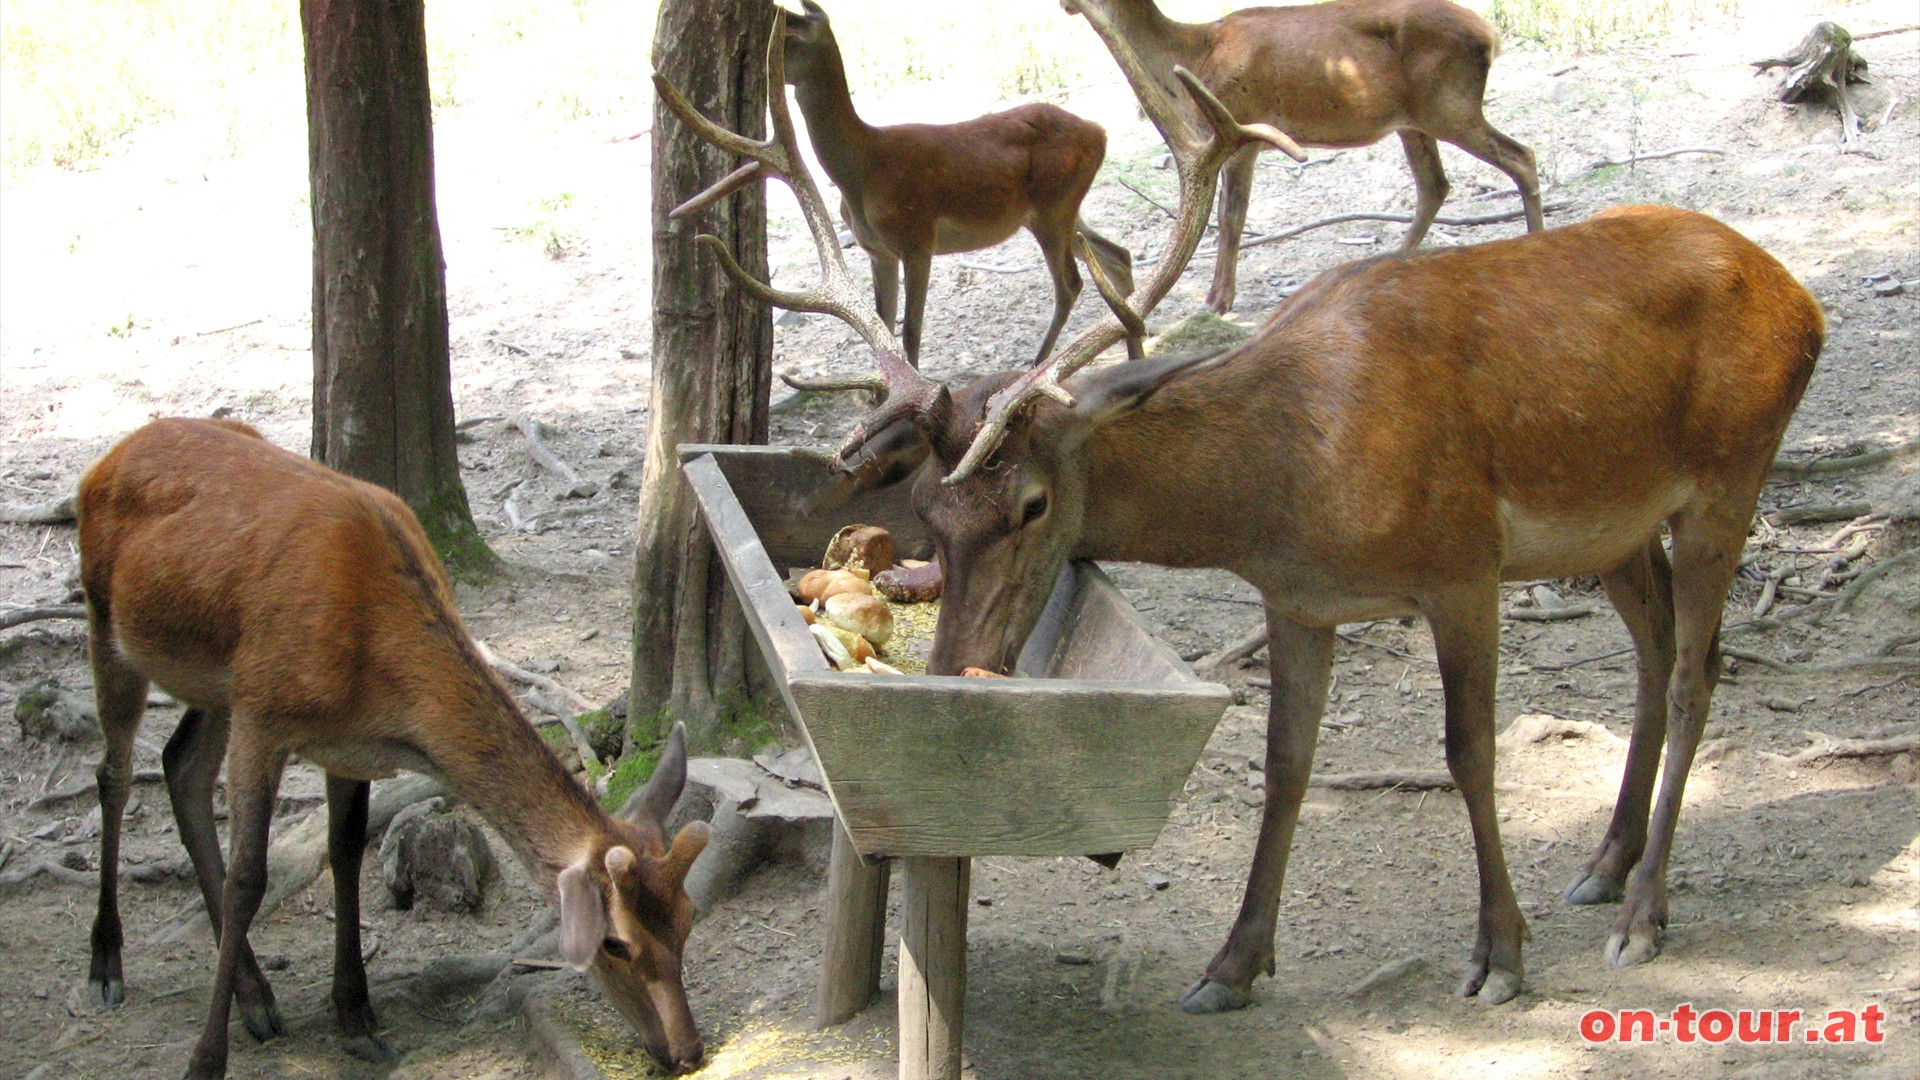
(382,386)
(712,369)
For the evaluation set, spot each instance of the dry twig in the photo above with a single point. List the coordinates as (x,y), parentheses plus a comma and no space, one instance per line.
(12,617)
(1825,747)
(52,512)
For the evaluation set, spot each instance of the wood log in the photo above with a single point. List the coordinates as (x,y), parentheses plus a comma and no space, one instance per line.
(933,968)
(856,927)
(299,852)
(1823,63)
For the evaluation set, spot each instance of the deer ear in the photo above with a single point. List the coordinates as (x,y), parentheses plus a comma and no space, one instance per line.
(813,10)
(687,846)
(1104,393)
(650,805)
(583,916)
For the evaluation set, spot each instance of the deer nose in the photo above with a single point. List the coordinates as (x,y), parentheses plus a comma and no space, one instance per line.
(687,1058)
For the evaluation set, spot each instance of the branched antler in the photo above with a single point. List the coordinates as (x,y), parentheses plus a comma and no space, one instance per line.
(1198,155)
(907,392)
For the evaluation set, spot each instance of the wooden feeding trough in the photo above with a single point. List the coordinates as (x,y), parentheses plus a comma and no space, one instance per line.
(1086,758)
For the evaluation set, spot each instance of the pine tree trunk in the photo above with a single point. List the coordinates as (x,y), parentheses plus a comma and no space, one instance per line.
(382,388)
(712,368)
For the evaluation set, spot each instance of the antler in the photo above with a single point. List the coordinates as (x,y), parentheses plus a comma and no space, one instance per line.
(907,392)
(1198,156)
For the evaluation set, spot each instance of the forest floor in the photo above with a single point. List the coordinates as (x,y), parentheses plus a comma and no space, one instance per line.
(158,285)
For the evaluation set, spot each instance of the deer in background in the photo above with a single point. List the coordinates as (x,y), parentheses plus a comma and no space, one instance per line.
(1400,437)
(913,191)
(1338,74)
(293,610)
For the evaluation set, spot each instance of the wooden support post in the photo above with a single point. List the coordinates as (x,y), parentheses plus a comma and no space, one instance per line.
(856,917)
(933,968)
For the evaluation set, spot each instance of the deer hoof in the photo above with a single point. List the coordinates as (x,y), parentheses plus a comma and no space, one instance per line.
(369,1047)
(1593,889)
(1212,996)
(1636,946)
(263,1021)
(1491,986)
(106,993)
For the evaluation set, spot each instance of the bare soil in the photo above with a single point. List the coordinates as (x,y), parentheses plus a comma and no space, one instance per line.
(156,285)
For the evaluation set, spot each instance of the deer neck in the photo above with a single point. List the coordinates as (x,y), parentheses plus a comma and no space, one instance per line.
(1160,41)
(1157,491)
(840,137)
(481,747)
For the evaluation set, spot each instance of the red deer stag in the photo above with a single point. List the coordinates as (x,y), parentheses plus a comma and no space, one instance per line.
(913,191)
(293,610)
(1341,73)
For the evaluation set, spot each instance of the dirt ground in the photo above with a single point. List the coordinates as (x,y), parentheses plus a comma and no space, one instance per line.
(158,285)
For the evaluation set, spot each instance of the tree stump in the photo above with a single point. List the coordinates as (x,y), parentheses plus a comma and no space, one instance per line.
(1823,64)
(47,713)
(435,859)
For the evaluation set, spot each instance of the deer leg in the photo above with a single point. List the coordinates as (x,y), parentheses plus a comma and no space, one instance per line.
(1429,183)
(120,698)
(1056,246)
(253,779)
(1706,552)
(1642,592)
(886,288)
(1302,668)
(1466,638)
(346,844)
(1512,158)
(1236,191)
(919,273)
(192,763)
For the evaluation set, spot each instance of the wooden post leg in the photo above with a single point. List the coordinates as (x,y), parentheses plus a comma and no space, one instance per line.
(933,968)
(856,918)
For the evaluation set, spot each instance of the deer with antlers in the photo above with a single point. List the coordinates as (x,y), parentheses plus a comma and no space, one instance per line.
(913,191)
(295,611)
(1338,74)
(1400,437)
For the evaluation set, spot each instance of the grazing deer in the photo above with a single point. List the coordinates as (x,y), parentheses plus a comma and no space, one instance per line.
(293,610)
(1403,435)
(913,191)
(1336,74)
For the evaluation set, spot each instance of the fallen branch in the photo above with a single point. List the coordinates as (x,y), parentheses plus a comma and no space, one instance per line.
(546,685)
(1869,576)
(53,512)
(12,617)
(1653,155)
(1826,747)
(299,852)
(537,449)
(1233,653)
(1817,513)
(1820,466)
(1419,780)
(1860,663)
(1559,614)
(140,776)
(1383,215)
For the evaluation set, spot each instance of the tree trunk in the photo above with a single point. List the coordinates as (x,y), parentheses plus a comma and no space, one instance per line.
(382,388)
(712,368)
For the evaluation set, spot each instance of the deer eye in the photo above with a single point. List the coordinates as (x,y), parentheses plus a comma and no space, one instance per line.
(1035,507)
(617,949)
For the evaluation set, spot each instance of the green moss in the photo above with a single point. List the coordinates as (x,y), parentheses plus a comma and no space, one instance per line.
(450,529)
(626,777)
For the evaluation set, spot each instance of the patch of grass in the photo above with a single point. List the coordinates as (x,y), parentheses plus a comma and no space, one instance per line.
(547,229)
(1588,25)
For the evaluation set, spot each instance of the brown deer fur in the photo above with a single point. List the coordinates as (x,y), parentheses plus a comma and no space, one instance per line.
(913,191)
(1336,74)
(295,611)
(1400,437)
